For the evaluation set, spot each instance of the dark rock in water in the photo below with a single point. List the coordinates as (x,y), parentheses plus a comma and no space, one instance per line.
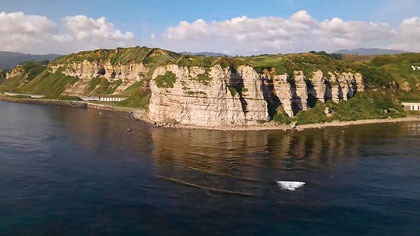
(130,116)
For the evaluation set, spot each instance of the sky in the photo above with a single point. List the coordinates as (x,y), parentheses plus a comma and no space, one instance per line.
(234,27)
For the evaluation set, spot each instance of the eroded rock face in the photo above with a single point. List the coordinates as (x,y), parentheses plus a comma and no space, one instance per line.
(405,86)
(128,75)
(227,99)
(282,89)
(360,86)
(335,94)
(319,87)
(344,86)
(301,93)
(17,71)
(300,97)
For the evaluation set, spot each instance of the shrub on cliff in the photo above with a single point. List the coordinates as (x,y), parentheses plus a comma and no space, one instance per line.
(307,62)
(34,68)
(280,116)
(166,81)
(375,76)
(372,105)
(313,115)
(204,78)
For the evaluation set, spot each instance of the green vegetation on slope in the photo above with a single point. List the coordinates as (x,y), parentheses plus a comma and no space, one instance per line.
(307,62)
(207,62)
(166,81)
(137,96)
(49,84)
(366,105)
(398,68)
(101,86)
(2,75)
(34,68)
(203,78)
(52,85)
(121,56)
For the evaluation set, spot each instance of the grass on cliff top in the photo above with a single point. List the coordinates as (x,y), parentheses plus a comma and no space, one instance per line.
(307,62)
(207,62)
(121,56)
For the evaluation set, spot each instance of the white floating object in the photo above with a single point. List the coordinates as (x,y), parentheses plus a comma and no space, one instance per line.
(290,185)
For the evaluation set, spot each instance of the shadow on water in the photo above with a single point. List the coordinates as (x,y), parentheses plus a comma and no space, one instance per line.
(75,171)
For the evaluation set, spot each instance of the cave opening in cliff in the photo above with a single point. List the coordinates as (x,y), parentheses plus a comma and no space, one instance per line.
(101,71)
(311,100)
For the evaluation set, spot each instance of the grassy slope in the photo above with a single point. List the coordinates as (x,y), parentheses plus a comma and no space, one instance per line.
(121,56)
(307,62)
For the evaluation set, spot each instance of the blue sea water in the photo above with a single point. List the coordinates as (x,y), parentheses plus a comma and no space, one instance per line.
(69,171)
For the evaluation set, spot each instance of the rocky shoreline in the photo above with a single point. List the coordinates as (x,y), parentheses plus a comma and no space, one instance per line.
(142,115)
(274,127)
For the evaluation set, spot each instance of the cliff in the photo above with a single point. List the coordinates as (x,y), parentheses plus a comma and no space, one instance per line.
(207,97)
(213,91)
(118,77)
(16,71)
(299,93)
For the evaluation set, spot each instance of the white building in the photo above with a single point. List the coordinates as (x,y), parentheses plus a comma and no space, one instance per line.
(103,99)
(411,106)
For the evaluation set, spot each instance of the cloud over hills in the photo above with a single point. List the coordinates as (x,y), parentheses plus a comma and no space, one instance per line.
(299,32)
(38,34)
(239,35)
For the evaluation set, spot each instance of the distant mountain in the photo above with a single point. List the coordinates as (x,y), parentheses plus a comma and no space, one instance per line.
(11,59)
(206,54)
(369,51)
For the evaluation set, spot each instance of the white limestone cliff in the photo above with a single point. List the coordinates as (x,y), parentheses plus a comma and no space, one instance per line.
(128,74)
(227,99)
(17,71)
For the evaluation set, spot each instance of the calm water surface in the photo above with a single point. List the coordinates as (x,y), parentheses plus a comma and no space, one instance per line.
(66,171)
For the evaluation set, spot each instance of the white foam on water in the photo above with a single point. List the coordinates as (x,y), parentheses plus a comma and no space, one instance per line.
(290,185)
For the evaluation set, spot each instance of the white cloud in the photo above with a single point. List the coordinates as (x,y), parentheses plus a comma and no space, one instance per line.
(17,29)
(18,22)
(239,35)
(38,34)
(84,28)
(299,32)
